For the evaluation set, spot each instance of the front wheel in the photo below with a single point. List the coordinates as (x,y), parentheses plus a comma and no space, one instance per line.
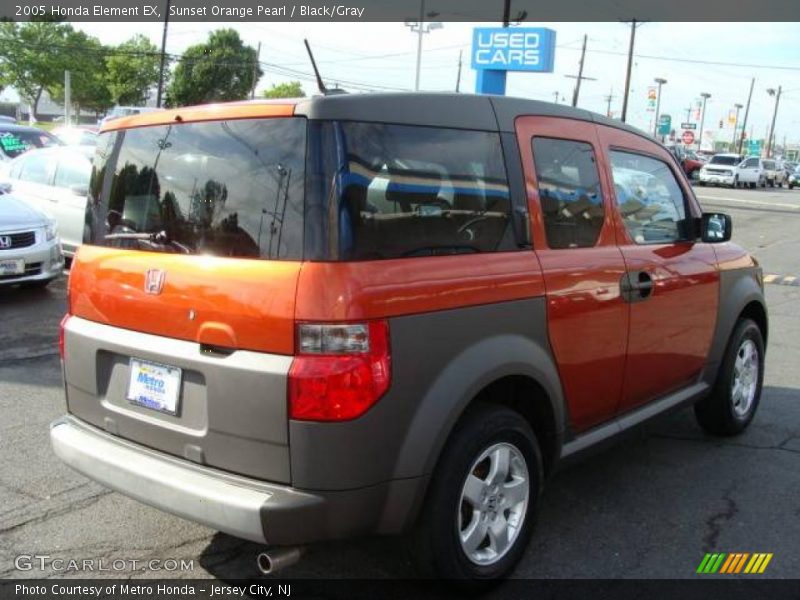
(733,401)
(482,502)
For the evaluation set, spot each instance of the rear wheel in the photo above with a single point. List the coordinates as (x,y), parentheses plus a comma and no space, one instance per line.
(483,498)
(732,403)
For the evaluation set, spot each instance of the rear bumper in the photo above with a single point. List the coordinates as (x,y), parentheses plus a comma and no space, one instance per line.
(243,507)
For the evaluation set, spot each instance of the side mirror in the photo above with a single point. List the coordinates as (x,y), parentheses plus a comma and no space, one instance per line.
(79,189)
(715,227)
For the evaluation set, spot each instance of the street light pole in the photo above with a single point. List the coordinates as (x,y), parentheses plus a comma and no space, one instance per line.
(660,81)
(420,25)
(421,29)
(735,125)
(771,92)
(705,96)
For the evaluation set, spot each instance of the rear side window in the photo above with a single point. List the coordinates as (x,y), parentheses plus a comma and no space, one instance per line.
(569,192)
(36,169)
(769,165)
(72,171)
(225,188)
(649,198)
(410,191)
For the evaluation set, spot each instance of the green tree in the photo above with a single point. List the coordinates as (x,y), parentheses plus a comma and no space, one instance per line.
(132,71)
(222,68)
(86,64)
(292,89)
(33,57)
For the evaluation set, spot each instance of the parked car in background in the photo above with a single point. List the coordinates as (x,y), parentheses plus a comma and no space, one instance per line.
(7,119)
(76,135)
(720,170)
(773,173)
(751,173)
(391,313)
(125,111)
(15,140)
(56,182)
(30,252)
(794,178)
(690,162)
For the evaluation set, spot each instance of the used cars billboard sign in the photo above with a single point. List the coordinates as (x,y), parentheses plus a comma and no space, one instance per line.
(517,49)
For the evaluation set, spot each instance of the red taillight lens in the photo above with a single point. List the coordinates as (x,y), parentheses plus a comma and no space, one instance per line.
(340,370)
(61,327)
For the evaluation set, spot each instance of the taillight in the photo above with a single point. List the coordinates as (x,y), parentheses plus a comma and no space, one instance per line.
(340,371)
(61,327)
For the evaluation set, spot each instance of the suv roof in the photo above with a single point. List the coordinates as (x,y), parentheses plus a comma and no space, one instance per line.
(458,111)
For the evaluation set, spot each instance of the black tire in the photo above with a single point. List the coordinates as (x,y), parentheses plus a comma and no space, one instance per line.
(435,543)
(735,182)
(718,413)
(753,185)
(701,183)
(771,183)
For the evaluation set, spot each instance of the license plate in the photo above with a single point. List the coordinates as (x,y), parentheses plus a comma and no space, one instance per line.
(154,386)
(12,267)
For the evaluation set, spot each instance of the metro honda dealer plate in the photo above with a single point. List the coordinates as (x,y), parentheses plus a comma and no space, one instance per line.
(12,267)
(154,386)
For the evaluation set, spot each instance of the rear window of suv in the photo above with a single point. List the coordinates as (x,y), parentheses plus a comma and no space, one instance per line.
(225,188)
(291,189)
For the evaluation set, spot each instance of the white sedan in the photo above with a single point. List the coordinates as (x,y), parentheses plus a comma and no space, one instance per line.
(30,252)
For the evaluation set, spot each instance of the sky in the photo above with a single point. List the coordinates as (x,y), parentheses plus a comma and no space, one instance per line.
(382,56)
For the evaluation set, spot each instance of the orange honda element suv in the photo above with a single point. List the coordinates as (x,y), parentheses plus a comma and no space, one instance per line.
(346,315)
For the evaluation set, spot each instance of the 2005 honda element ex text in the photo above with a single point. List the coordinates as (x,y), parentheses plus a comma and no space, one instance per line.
(315,319)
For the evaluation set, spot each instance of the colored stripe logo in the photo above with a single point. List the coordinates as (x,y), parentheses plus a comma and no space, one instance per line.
(734,562)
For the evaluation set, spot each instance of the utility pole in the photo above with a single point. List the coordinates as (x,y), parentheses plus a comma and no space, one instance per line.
(746,113)
(163,56)
(608,100)
(556,95)
(705,96)
(68,99)
(771,92)
(688,114)
(660,81)
(576,92)
(255,72)
(628,74)
(458,79)
(736,124)
(506,12)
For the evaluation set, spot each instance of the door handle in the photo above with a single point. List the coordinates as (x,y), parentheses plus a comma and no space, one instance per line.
(636,286)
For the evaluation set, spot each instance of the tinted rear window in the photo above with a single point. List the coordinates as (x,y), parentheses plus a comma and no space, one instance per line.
(390,191)
(226,188)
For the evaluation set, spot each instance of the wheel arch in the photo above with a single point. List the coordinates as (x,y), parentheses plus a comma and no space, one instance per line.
(509,370)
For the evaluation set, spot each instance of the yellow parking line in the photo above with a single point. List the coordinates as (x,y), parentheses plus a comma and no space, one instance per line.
(765,563)
(770,278)
(789,279)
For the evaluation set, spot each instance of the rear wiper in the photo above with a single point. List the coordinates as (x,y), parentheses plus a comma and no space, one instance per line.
(158,236)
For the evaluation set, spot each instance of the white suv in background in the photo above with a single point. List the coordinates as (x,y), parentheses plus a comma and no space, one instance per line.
(720,170)
(774,173)
(751,173)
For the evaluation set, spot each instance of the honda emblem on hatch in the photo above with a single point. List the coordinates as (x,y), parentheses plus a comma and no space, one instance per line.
(154,281)
(5,241)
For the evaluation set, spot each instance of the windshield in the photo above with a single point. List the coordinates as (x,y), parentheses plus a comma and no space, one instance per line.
(724,160)
(224,188)
(14,143)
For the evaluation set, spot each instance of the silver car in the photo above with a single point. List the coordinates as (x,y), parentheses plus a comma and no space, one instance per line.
(56,182)
(30,252)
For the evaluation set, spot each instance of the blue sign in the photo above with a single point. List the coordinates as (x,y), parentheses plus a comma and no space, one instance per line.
(513,49)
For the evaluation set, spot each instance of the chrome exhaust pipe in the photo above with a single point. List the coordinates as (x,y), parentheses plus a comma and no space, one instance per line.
(276,559)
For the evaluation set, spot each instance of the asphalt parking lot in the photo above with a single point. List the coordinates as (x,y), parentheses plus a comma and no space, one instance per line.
(649,507)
